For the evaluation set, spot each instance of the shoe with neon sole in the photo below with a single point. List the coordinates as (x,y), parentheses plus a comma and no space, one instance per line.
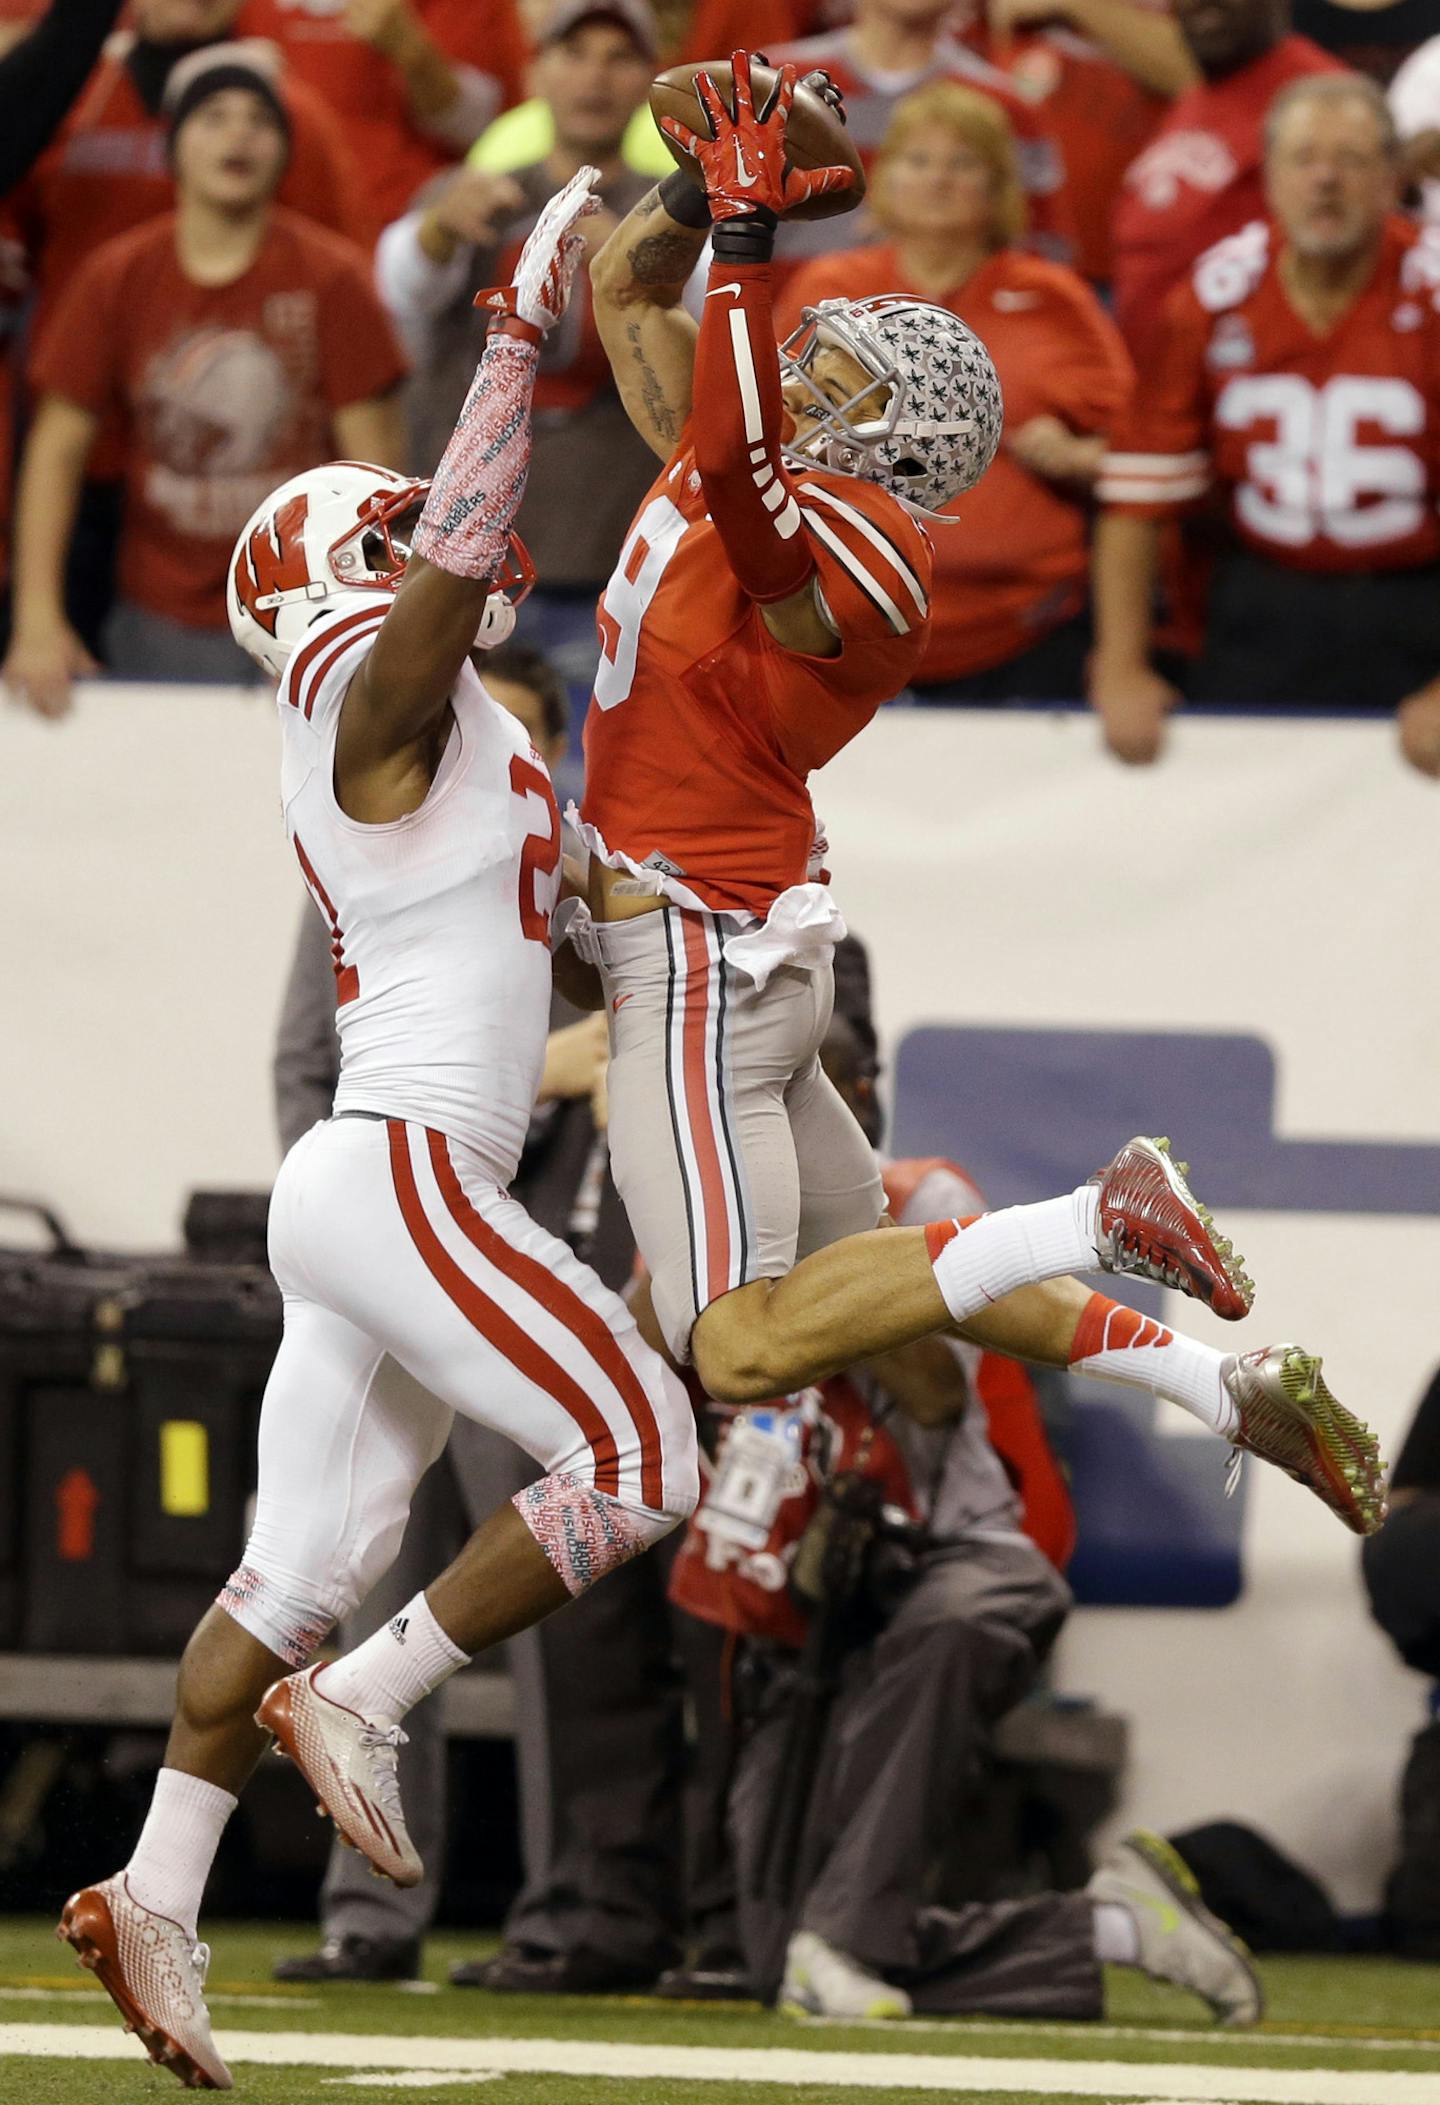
(1180,1941)
(1289,1417)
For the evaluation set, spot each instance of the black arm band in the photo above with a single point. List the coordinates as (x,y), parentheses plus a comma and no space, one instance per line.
(748,240)
(687,205)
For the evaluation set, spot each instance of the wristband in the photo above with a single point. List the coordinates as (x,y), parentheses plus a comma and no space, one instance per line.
(750,239)
(685,202)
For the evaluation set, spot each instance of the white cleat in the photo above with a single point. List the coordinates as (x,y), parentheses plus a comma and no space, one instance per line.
(153,1973)
(349,1762)
(823,1982)
(1180,1940)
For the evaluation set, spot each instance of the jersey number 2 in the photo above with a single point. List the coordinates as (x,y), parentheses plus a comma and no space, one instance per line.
(651,542)
(541,852)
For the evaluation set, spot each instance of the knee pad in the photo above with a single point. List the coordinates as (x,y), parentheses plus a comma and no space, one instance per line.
(584,1532)
(283,1617)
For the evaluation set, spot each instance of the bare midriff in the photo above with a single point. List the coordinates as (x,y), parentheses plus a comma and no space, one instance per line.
(612,894)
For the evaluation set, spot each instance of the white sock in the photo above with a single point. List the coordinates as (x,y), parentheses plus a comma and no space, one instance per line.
(1014,1247)
(1114,1343)
(177,1846)
(1117,1934)
(391,1671)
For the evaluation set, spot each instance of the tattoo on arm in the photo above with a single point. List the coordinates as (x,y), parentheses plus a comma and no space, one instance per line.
(653,398)
(659,262)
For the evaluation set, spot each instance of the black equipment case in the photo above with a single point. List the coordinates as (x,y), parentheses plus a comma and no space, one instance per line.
(129,1393)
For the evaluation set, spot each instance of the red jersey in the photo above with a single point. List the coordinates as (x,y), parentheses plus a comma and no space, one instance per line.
(393,154)
(1325,448)
(870,102)
(108,171)
(702,729)
(223,391)
(1200,178)
(1017,564)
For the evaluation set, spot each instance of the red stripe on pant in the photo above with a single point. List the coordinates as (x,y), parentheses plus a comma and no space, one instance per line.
(714,1204)
(585,1324)
(491,1321)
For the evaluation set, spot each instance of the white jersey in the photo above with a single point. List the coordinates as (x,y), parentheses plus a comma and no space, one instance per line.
(439,922)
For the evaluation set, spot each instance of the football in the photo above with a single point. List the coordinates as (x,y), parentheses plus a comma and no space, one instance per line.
(815,133)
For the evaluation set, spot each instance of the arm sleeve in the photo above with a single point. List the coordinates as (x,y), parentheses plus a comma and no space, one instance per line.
(477,488)
(359,357)
(1159,462)
(739,420)
(41,76)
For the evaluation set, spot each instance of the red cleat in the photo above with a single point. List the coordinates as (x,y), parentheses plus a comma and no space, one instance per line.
(349,1762)
(1152,1225)
(153,1974)
(1288,1416)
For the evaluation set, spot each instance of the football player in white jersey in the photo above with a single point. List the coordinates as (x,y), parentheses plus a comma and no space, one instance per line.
(425,827)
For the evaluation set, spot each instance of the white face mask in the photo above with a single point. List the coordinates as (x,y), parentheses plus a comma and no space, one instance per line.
(497,623)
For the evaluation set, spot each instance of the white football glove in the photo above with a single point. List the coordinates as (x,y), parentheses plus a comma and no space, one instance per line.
(540,290)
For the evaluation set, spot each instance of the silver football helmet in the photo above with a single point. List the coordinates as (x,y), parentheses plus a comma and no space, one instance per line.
(941,422)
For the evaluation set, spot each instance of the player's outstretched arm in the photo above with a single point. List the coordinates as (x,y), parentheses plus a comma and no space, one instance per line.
(637,279)
(399,695)
(739,413)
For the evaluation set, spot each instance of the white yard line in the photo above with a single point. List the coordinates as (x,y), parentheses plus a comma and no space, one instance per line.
(82,1993)
(955,2074)
(1152,2035)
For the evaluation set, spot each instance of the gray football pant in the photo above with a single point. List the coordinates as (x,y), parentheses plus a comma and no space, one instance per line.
(902,1748)
(733,1151)
(600,1748)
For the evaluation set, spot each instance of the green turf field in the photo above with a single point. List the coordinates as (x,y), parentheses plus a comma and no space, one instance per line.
(1339,2032)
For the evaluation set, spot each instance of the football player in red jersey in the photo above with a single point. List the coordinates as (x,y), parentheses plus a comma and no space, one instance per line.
(772,594)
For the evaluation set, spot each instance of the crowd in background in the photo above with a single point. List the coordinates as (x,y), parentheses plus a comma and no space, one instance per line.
(1196,241)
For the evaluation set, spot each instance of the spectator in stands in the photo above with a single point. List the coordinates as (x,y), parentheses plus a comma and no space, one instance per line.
(1299,374)
(525,135)
(1102,73)
(109,169)
(1009,602)
(413,82)
(1200,177)
(1402,1576)
(588,470)
(238,344)
(891,48)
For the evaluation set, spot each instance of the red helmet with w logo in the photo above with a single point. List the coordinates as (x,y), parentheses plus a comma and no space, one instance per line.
(342,528)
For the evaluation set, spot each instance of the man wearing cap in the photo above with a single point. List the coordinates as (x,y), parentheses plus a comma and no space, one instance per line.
(588,471)
(235,344)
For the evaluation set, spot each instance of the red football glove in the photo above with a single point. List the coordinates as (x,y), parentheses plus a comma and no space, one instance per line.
(743,160)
